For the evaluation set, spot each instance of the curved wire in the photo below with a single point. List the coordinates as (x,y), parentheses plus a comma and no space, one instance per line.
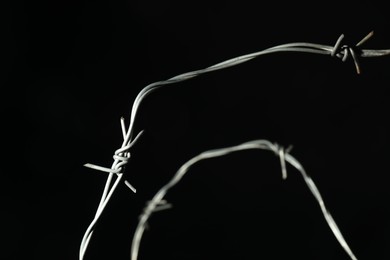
(158,199)
(117,167)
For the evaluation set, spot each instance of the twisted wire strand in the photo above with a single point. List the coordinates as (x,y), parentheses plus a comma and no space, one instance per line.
(158,199)
(121,158)
(342,52)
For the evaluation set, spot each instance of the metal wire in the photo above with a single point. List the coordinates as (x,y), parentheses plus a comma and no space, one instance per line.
(122,155)
(155,203)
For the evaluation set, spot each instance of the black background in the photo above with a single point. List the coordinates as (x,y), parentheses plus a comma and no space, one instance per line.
(73,68)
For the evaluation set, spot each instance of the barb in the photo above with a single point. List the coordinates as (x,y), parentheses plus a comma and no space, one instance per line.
(122,156)
(281,152)
(158,198)
(121,159)
(152,207)
(343,52)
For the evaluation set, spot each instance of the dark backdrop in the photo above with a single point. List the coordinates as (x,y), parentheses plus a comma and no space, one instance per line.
(73,68)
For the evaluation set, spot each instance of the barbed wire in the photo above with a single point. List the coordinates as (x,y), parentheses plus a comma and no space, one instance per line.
(122,155)
(157,203)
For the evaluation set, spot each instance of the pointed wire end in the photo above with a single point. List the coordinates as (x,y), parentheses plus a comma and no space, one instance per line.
(137,137)
(358,71)
(289,148)
(284,170)
(123,127)
(89,165)
(368,36)
(282,153)
(337,45)
(163,206)
(131,187)
(141,132)
(355,60)
(284,175)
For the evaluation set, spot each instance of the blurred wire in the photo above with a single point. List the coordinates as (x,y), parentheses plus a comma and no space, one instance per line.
(157,202)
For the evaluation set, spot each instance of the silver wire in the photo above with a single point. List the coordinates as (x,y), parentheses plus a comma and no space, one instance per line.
(158,199)
(121,158)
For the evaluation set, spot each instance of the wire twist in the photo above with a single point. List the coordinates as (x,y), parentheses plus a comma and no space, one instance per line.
(122,156)
(284,156)
(344,52)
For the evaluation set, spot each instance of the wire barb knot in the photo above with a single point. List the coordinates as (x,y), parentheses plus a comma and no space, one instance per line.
(121,158)
(344,51)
